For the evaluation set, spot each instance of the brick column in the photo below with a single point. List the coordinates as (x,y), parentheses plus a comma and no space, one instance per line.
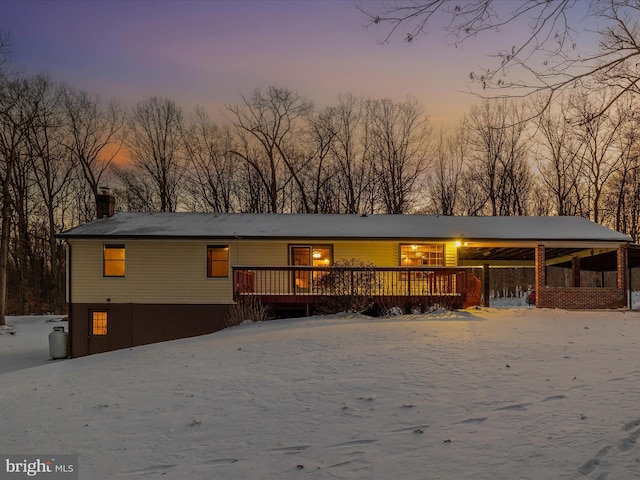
(623,267)
(541,279)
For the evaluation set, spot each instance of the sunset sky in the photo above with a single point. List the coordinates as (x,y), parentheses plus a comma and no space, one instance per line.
(208,53)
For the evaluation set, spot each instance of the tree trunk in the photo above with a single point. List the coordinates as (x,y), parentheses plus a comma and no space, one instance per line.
(4,245)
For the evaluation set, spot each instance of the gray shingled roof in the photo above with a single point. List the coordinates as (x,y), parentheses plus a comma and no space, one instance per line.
(249,225)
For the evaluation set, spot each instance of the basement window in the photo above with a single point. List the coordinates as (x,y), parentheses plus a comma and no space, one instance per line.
(217,261)
(113,257)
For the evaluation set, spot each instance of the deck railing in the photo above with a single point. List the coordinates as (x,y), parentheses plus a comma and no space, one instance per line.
(299,283)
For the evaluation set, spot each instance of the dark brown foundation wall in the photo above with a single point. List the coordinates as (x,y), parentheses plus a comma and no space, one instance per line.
(132,324)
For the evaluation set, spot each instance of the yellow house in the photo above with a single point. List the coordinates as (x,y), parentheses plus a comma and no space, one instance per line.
(137,278)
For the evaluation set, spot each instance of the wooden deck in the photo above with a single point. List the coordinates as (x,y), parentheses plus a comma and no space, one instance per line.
(391,286)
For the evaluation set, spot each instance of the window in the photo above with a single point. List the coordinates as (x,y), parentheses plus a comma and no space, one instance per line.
(217,260)
(312,255)
(424,255)
(321,256)
(99,323)
(113,260)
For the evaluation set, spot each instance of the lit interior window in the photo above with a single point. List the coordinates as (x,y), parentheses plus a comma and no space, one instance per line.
(419,255)
(217,261)
(114,257)
(321,256)
(99,323)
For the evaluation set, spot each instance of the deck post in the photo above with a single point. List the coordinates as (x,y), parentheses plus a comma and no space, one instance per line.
(353,290)
(575,272)
(485,285)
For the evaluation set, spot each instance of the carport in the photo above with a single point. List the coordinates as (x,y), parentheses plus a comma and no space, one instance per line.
(610,281)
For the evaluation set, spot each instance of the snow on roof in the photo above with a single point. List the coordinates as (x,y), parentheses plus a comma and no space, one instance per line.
(250,225)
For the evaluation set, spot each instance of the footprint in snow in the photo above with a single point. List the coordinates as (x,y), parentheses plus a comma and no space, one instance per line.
(518,406)
(631,425)
(353,442)
(221,461)
(629,442)
(150,469)
(591,465)
(554,397)
(474,420)
(411,429)
(289,450)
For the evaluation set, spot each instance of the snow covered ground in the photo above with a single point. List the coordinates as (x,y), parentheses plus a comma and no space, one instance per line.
(498,393)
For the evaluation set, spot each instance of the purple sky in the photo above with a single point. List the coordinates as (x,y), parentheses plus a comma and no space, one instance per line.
(209,52)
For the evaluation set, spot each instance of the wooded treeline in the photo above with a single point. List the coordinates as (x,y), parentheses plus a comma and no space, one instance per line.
(275,151)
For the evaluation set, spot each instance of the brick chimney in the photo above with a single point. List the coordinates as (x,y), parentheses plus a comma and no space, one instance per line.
(105,203)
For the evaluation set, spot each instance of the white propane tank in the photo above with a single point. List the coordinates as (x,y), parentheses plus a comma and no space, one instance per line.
(58,343)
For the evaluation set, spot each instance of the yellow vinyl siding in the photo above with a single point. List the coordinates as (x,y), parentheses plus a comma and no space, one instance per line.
(385,253)
(156,272)
(259,253)
(450,254)
(175,271)
(379,253)
(86,272)
(276,252)
(262,253)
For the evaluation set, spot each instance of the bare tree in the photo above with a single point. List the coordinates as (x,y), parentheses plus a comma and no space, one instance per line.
(349,152)
(621,192)
(320,171)
(550,56)
(625,196)
(267,124)
(597,135)
(5,54)
(18,104)
(450,157)
(53,168)
(27,210)
(541,202)
(213,166)
(253,196)
(94,135)
(500,164)
(157,149)
(559,160)
(399,136)
(472,200)
(135,194)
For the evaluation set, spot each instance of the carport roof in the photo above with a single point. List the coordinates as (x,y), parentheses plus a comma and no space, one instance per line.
(607,261)
(597,261)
